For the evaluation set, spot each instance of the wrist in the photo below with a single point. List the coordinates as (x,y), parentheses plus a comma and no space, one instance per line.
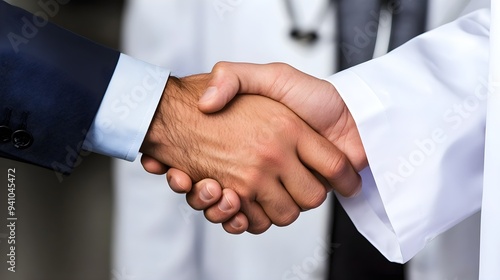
(174,124)
(352,146)
(155,133)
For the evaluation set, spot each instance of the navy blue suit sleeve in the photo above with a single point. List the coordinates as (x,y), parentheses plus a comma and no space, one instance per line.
(51,85)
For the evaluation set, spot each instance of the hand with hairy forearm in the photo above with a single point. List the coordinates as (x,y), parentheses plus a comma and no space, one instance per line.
(315,101)
(255,147)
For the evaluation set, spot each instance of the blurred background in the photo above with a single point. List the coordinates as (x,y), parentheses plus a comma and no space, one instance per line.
(64,226)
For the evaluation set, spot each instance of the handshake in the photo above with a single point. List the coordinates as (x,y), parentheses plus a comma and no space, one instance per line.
(259,158)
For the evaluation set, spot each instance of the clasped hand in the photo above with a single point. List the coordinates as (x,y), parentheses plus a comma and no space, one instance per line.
(260,160)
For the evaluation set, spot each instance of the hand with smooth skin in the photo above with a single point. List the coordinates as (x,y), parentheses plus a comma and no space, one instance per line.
(315,101)
(256,147)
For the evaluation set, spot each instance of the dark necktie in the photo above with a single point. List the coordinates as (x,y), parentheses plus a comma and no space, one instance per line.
(354,257)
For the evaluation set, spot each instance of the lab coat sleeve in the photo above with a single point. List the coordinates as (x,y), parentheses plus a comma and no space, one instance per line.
(420,111)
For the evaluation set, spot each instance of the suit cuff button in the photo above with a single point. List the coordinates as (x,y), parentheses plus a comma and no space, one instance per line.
(22,139)
(5,134)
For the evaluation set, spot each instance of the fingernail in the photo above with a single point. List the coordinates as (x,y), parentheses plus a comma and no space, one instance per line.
(208,95)
(205,194)
(175,184)
(235,223)
(180,185)
(225,205)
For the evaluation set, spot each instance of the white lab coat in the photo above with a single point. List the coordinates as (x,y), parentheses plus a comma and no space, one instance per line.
(156,235)
(421,112)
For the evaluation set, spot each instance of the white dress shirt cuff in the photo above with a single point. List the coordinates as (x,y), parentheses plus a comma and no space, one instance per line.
(127,109)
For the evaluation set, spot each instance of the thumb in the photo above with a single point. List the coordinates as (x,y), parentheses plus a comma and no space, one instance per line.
(272,80)
(222,88)
(229,79)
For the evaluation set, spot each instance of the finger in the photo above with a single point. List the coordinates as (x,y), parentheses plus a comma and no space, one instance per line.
(303,186)
(204,194)
(225,208)
(153,166)
(229,79)
(237,224)
(323,181)
(278,205)
(258,221)
(179,181)
(322,156)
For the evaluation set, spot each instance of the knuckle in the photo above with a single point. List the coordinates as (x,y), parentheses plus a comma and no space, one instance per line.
(270,142)
(337,167)
(259,228)
(265,156)
(282,74)
(268,157)
(287,218)
(220,66)
(251,178)
(246,193)
(221,70)
(315,200)
(284,125)
(283,70)
(280,67)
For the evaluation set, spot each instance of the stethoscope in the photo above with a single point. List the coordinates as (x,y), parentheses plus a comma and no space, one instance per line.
(305,36)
